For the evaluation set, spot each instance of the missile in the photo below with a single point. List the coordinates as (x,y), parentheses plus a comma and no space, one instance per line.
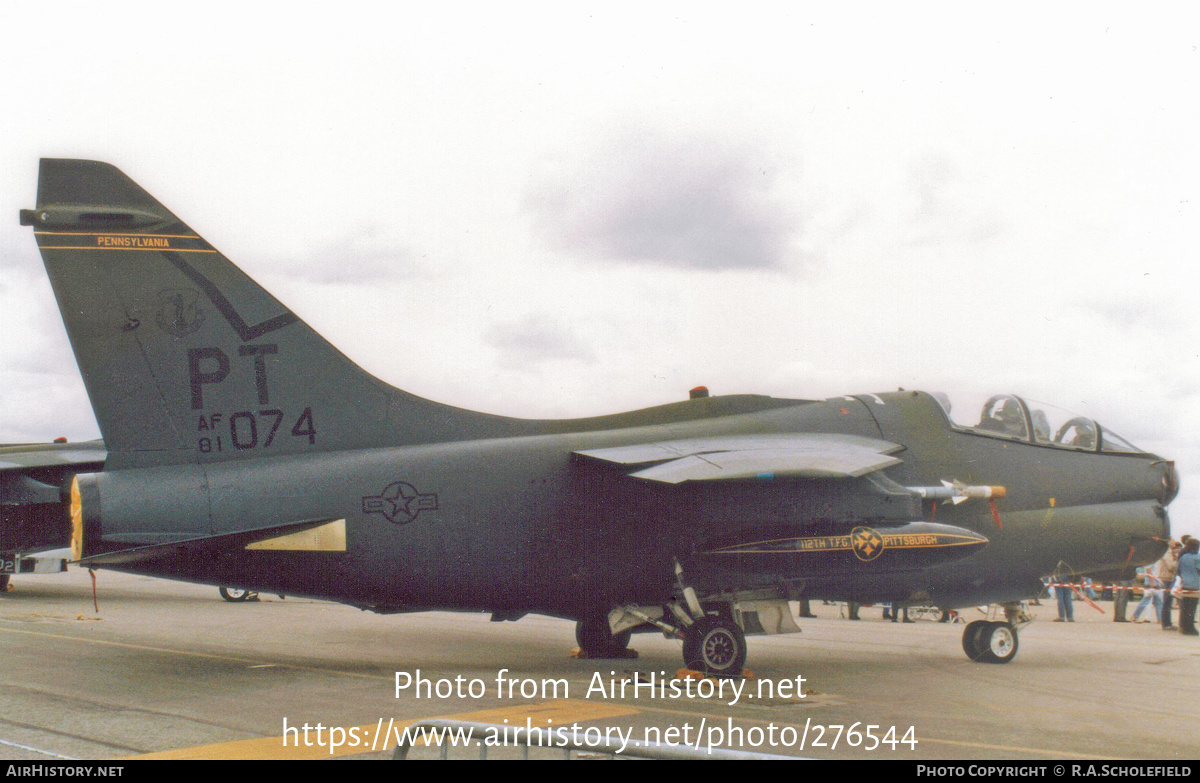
(956,491)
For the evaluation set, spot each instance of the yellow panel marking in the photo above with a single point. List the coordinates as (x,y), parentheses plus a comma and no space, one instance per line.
(75,247)
(844,543)
(558,713)
(330,537)
(112,234)
(76,520)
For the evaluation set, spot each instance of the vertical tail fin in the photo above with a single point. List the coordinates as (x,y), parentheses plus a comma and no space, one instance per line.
(185,358)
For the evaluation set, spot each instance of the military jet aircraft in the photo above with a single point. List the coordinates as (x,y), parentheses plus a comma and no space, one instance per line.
(244,450)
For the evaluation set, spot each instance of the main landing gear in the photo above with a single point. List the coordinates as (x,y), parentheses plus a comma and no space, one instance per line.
(715,645)
(597,640)
(714,641)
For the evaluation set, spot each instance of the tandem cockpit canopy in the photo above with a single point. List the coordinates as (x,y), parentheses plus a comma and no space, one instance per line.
(1010,416)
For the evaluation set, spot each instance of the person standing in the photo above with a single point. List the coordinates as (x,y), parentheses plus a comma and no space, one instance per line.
(1151,595)
(1165,571)
(1189,583)
(1121,601)
(1066,607)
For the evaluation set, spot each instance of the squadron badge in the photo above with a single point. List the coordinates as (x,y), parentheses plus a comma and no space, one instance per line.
(178,314)
(866,543)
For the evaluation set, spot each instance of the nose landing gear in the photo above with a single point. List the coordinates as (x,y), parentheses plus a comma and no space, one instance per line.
(990,641)
(995,641)
(236,594)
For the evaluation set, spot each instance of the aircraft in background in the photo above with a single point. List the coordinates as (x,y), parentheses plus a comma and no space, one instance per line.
(35,480)
(242,449)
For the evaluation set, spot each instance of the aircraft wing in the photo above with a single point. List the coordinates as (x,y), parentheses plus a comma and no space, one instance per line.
(753,457)
(840,515)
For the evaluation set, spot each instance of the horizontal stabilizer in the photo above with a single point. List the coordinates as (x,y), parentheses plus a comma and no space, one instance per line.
(206,546)
(51,455)
(754,457)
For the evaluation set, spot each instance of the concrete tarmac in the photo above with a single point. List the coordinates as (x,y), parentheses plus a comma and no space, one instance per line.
(170,670)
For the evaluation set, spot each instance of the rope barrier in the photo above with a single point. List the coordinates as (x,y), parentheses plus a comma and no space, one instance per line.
(1076,586)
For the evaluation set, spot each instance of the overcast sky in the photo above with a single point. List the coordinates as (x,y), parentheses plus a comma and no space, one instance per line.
(541,209)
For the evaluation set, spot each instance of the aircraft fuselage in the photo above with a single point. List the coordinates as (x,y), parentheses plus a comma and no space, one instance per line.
(524,524)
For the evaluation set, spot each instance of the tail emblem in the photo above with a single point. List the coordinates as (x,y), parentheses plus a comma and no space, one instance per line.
(179,316)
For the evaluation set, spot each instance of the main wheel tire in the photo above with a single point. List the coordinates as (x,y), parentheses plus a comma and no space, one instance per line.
(234,595)
(971,642)
(715,645)
(4,583)
(998,642)
(597,640)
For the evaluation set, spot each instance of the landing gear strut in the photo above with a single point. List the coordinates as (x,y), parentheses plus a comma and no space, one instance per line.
(713,642)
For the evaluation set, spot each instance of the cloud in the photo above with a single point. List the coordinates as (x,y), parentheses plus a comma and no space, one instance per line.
(538,339)
(930,176)
(364,256)
(19,255)
(40,404)
(692,203)
(1132,312)
(946,210)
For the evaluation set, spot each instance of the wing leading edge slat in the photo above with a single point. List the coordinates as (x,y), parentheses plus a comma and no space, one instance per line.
(753,457)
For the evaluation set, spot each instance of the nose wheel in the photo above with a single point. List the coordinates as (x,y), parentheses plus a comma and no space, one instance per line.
(990,641)
(237,595)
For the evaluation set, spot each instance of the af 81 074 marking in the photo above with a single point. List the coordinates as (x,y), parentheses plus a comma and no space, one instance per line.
(241,430)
